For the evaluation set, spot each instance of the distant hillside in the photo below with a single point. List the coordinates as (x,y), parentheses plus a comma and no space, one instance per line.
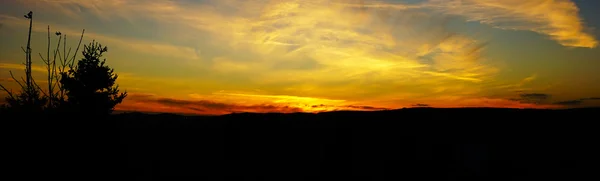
(423,143)
(406,144)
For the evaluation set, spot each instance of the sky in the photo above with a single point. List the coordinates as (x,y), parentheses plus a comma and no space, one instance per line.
(224,56)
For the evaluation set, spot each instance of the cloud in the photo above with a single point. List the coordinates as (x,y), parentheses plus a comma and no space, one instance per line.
(152,103)
(577,102)
(528,80)
(139,96)
(519,86)
(349,107)
(533,98)
(503,103)
(558,19)
(230,102)
(210,106)
(421,105)
(591,99)
(570,102)
(15,66)
(6,80)
(137,45)
(283,29)
(346,52)
(39,74)
(366,108)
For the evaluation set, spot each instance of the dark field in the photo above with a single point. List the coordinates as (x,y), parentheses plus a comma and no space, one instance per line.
(408,144)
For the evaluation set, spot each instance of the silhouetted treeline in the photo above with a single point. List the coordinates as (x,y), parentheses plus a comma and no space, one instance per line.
(408,144)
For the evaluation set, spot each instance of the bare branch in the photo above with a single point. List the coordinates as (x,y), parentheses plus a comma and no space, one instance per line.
(39,88)
(65,47)
(16,80)
(69,52)
(56,51)
(7,91)
(60,57)
(22,79)
(42,57)
(77,49)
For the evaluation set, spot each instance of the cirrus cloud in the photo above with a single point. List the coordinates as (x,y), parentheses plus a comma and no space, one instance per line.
(558,19)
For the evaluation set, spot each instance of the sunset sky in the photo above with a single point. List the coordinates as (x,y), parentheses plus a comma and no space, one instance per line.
(223,56)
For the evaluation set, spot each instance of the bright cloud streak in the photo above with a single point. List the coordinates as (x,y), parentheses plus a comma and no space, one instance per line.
(558,19)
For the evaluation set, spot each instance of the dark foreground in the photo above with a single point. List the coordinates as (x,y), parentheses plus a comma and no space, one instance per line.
(410,144)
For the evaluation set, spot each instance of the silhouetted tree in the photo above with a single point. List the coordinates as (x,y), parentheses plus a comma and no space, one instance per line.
(90,85)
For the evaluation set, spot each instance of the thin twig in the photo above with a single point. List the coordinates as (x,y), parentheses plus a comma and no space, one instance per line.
(38,86)
(77,50)
(16,80)
(44,60)
(65,46)
(7,91)
(57,53)
(69,52)
(22,79)
(60,57)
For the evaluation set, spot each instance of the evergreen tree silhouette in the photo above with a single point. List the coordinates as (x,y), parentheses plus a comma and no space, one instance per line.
(90,85)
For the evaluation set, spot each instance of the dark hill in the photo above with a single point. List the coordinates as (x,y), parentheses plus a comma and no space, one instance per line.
(408,144)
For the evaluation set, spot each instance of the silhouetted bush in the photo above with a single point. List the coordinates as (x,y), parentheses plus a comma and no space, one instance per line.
(90,85)
(29,100)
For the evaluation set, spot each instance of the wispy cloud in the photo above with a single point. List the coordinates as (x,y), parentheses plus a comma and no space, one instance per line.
(420,105)
(283,29)
(533,98)
(577,102)
(14,66)
(558,19)
(137,45)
